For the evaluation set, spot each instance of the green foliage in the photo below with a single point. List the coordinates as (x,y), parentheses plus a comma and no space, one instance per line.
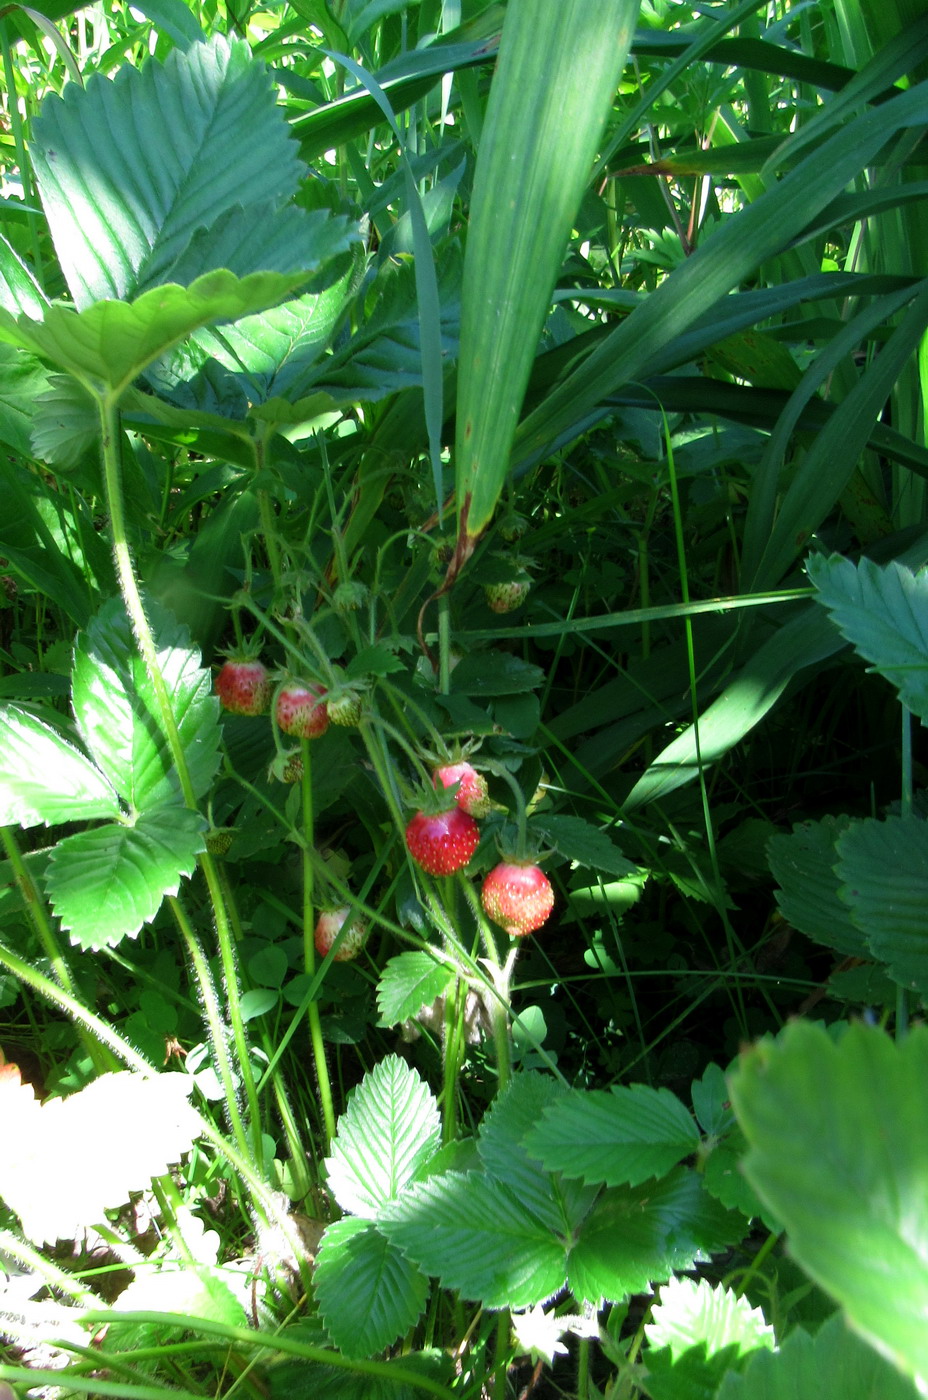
(837,1148)
(280,289)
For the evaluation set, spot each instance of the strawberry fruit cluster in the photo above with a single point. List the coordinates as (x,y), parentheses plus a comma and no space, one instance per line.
(517,895)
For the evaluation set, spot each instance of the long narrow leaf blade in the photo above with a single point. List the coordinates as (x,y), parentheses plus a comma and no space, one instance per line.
(543,123)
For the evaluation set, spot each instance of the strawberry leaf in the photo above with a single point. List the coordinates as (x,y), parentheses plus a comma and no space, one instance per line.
(106,883)
(43,778)
(838,1149)
(616,1136)
(832,1365)
(494,673)
(803,864)
(125,229)
(579,841)
(390,1128)
(114,702)
(409,982)
(501,1145)
(638,1235)
(476,1236)
(369,1293)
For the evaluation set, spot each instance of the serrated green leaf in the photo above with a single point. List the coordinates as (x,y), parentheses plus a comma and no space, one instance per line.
(408,982)
(389,1129)
(115,1135)
(374,661)
(692,1375)
(109,344)
(839,1151)
(115,706)
(23,379)
(580,841)
(624,1135)
(20,293)
(833,1365)
(273,354)
(369,1293)
(638,1235)
(106,883)
(66,422)
(710,1101)
(803,864)
(45,779)
(882,610)
(884,870)
(473,1234)
(501,1145)
(691,1311)
(121,231)
(494,673)
(724,1179)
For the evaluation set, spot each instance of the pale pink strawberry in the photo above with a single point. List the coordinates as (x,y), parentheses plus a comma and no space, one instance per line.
(301,710)
(244,686)
(517,897)
(506,597)
(472,795)
(330,924)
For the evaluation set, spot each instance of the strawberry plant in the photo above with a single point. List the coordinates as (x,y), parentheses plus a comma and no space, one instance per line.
(539,382)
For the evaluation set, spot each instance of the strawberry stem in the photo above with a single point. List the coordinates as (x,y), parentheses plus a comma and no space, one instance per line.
(309,945)
(112,479)
(37,911)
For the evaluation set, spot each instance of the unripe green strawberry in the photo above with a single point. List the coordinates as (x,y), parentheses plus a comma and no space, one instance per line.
(472,795)
(512,527)
(287,767)
(517,897)
(330,924)
(349,597)
(344,707)
(293,769)
(506,597)
(218,840)
(301,710)
(244,686)
(442,842)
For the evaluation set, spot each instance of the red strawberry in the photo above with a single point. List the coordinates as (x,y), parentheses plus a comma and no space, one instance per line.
(329,926)
(517,897)
(301,710)
(472,795)
(506,597)
(244,686)
(442,842)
